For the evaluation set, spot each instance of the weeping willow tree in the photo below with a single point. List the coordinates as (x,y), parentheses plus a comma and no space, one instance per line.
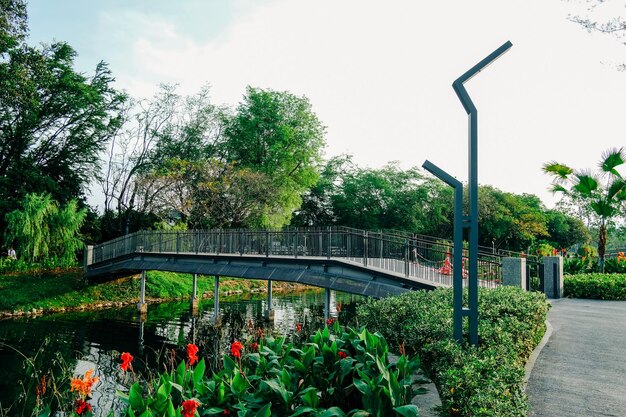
(41,230)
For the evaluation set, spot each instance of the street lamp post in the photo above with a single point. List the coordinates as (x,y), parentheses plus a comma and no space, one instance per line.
(471,220)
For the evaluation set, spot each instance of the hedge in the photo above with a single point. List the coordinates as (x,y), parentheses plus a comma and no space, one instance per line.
(596,286)
(483,381)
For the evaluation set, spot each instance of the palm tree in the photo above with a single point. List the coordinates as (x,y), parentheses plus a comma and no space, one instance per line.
(603,191)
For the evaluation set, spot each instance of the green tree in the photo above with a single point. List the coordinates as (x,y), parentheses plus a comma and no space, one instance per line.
(509,221)
(54,122)
(604,192)
(41,229)
(565,230)
(278,135)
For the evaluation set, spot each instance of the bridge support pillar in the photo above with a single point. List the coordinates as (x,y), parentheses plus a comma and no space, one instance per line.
(327,303)
(142,307)
(553,276)
(216,299)
(514,272)
(194,295)
(269,311)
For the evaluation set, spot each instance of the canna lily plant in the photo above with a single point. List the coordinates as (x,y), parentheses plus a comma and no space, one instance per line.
(603,191)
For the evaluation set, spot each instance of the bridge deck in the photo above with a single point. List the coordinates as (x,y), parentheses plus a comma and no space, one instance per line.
(342,259)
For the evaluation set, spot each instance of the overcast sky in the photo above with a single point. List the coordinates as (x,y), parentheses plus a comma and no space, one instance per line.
(379,74)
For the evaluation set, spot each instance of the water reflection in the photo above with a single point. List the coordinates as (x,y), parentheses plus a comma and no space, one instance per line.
(72,343)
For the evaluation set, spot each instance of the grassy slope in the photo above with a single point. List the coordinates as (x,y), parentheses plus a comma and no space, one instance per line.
(67,289)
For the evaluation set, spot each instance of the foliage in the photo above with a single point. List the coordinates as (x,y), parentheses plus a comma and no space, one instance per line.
(579,264)
(508,220)
(483,381)
(54,121)
(604,199)
(278,135)
(333,373)
(596,286)
(564,230)
(42,230)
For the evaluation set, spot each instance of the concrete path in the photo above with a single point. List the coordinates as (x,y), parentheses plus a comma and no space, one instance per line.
(581,371)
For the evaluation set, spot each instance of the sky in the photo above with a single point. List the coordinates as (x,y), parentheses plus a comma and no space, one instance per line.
(379,74)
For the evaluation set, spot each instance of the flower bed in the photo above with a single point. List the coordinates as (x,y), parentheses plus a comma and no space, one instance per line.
(335,372)
(595,286)
(483,381)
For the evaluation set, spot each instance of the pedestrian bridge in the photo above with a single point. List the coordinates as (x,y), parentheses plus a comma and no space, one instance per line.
(375,264)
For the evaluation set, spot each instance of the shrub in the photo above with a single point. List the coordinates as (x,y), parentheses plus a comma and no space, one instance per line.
(596,286)
(483,381)
(578,265)
(332,373)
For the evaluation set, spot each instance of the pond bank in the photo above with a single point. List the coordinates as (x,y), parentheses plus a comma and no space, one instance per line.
(24,294)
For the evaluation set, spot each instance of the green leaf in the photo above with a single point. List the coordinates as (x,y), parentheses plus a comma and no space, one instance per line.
(585,183)
(198,372)
(310,397)
(213,411)
(229,364)
(239,384)
(362,387)
(558,170)
(302,410)
(135,397)
(333,412)
(611,159)
(171,411)
(266,411)
(45,412)
(180,373)
(407,410)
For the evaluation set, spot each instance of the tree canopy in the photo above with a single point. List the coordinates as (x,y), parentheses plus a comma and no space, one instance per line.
(54,121)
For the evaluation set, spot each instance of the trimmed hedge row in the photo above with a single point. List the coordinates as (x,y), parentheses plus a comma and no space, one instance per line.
(596,286)
(483,381)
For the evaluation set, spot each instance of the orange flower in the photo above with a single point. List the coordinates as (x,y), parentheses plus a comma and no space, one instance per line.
(192,349)
(83,385)
(189,408)
(127,358)
(235,349)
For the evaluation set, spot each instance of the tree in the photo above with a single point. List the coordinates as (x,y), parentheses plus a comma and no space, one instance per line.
(40,229)
(54,122)
(277,135)
(604,198)
(160,136)
(509,221)
(565,230)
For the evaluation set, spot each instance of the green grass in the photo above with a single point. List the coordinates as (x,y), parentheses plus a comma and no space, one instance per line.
(67,289)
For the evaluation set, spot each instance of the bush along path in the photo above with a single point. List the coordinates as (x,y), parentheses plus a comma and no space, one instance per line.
(482,381)
(66,290)
(335,372)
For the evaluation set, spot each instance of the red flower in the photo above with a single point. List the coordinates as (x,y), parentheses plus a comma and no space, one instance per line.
(235,349)
(299,327)
(81,407)
(341,354)
(254,347)
(127,358)
(226,412)
(191,353)
(189,408)
(330,321)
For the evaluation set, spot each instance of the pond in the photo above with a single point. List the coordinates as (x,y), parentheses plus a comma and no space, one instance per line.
(71,343)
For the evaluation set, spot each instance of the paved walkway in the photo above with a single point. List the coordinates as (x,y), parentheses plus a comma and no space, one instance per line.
(581,371)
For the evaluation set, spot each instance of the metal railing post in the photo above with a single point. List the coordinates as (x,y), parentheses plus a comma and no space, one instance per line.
(329,247)
(364,248)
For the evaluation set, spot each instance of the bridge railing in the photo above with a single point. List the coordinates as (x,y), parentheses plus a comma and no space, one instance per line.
(401,253)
